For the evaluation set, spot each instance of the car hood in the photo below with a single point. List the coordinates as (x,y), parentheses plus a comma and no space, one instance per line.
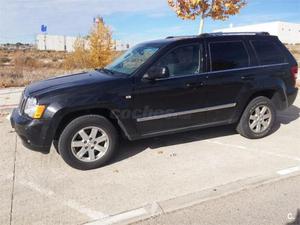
(68,81)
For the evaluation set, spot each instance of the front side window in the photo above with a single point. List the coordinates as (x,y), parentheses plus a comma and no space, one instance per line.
(184,60)
(228,55)
(131,60)
(268,52)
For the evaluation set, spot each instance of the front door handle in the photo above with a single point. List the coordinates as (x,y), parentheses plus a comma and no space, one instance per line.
(195,85)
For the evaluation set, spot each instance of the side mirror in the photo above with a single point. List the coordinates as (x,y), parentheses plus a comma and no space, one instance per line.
(157,72)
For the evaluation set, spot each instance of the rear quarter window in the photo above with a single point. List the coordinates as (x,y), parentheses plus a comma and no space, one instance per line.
(268,52)
(228,55)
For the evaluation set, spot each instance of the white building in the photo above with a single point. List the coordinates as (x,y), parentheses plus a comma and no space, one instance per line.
(55,42)
(288,33)
(47,42)
(120,46)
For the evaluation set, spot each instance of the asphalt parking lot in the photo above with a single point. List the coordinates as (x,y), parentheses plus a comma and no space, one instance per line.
(148,177)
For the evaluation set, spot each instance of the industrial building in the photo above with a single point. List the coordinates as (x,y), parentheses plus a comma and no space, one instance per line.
(55,43)
(45,42)
(288,33)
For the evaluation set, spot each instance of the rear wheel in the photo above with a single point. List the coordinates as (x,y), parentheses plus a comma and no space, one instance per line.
(258,118)
(88,142)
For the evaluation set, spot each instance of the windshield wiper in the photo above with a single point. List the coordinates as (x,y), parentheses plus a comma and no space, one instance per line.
(105,70)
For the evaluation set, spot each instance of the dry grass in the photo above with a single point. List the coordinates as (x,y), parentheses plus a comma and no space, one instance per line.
(19,68)
(295,50)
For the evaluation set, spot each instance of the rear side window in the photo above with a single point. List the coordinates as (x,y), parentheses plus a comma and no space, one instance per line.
(228,55)
(268,52)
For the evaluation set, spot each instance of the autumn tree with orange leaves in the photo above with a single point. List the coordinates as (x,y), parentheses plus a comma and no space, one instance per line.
(94,51)
(216,9)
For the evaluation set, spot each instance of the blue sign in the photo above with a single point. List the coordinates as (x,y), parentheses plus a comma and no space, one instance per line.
(44,28)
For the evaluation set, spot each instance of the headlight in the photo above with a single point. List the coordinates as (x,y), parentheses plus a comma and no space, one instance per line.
(33,110)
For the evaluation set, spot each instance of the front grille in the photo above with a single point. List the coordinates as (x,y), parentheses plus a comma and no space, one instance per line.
(22,103)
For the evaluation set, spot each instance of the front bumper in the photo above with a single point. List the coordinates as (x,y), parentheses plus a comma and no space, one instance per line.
(33,133)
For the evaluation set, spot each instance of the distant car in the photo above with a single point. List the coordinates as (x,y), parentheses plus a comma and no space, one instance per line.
(160,87)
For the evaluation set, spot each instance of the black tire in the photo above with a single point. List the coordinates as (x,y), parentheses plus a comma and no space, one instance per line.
(243,127)
(64,144)
(55,144)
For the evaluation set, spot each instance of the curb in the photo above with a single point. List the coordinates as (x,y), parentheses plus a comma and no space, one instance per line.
(7,108)
(9,98)
(171,205)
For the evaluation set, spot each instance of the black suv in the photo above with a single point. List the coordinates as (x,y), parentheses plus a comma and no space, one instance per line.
(160,87)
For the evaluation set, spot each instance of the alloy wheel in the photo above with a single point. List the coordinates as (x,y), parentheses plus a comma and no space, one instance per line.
(260,119)
(90,144)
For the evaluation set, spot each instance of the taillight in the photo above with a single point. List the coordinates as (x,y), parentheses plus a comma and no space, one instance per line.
(294,72)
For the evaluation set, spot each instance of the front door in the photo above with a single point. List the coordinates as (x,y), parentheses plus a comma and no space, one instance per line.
(172,103)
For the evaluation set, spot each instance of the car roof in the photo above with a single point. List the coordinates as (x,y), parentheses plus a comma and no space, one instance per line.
(172,39)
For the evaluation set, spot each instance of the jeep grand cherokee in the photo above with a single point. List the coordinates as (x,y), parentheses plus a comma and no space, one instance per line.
(156,88)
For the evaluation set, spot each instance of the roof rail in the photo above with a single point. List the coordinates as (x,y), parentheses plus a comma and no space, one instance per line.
(187,36)
(220,34)
(235,33)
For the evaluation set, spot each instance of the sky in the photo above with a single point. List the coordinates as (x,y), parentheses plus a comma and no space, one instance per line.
(131,21)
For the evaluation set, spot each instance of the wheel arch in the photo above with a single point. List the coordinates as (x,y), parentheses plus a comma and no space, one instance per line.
(274,94)
(105,112)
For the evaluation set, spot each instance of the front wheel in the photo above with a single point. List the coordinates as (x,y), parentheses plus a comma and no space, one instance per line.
(88,142)
(258,118)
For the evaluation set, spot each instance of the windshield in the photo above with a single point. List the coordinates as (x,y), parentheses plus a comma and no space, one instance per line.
(131,60)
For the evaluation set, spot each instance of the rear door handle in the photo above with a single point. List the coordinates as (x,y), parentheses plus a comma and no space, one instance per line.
(247,77)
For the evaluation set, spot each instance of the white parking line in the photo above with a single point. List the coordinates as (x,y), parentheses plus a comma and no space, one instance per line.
(260,151)
(288,171)
(92,214)
(227,145)
(36,188)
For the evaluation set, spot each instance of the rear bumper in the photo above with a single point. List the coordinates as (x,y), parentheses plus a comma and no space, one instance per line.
(33,133)
(291,97)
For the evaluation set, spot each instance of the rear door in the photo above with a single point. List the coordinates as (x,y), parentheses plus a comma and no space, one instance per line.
(228,68)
